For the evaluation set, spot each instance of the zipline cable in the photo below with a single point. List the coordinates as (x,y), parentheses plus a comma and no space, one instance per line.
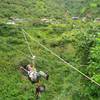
(61,58)
(17,50)
(28,44)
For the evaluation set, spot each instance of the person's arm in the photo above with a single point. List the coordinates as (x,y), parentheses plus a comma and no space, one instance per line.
(24,69)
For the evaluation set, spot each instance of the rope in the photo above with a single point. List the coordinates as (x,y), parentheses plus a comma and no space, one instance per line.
(28,44)
(61,59)
(17,50)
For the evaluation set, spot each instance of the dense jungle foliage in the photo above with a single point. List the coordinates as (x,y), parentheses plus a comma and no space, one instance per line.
(76,41)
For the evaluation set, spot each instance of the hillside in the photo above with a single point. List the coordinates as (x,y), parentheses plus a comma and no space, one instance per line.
(31,8)
(83,8)
(74,6)
(92,9)
(62,40)
(51,8)
(14,84)
(77,42)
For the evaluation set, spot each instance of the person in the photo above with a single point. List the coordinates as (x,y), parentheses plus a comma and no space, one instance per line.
(33,74)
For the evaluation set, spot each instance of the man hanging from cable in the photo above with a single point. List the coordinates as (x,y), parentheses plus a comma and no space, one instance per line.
(34,76)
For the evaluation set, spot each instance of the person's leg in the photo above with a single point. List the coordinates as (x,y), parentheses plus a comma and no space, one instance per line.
(43,74)
(37,94)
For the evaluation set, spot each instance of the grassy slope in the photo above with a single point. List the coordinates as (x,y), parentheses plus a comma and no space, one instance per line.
(64,83)
(31,8)
(83,7)
(74,6)
(93,9)
(15,86)
(44,8)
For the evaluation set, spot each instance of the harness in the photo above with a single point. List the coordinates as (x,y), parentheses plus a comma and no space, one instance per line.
(33,76)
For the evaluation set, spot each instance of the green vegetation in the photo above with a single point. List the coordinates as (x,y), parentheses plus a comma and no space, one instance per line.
(32,8)
(75,41)
(51,9)
(92,9)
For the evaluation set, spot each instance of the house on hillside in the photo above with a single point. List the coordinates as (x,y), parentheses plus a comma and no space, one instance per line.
(75,18)
(45,20)
(19,19)
(10,22)
(97,20)
(50,21)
